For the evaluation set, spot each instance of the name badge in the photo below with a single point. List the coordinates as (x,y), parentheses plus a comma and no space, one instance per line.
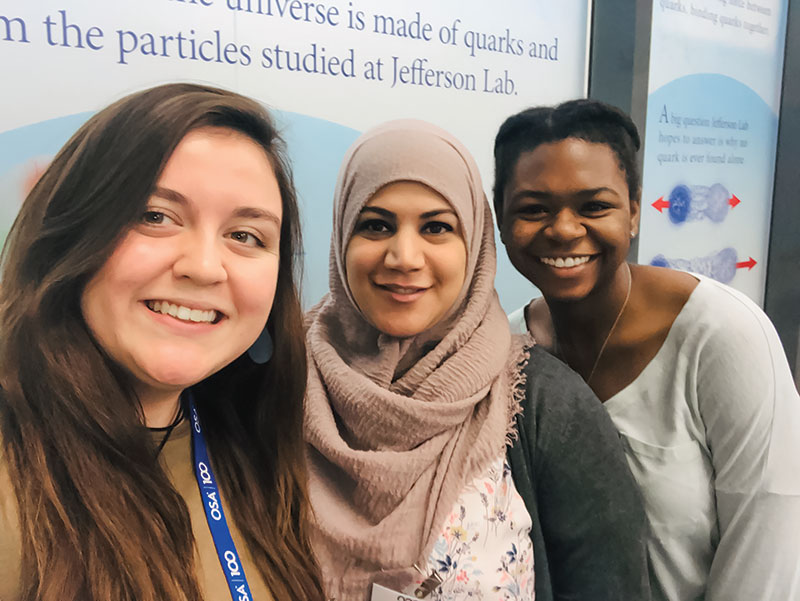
(381,593)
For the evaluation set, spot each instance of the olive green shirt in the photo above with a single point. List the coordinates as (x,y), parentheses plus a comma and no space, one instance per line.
(176,458)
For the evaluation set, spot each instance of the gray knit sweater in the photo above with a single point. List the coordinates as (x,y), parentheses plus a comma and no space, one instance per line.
(589,524)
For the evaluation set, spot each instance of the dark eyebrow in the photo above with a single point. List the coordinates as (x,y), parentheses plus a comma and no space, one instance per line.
(426,215)
(256,213)
(379,211)
(241,212)
(542,195)
(169,194)
(429,214)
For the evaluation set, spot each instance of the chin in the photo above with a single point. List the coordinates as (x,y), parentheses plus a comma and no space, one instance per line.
(179,376)
(565,294)
(398,330)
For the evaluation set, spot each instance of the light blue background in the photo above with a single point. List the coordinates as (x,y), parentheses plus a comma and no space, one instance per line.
(746,226)
(316,149)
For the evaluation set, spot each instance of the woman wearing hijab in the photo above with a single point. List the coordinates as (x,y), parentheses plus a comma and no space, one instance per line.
(414,391)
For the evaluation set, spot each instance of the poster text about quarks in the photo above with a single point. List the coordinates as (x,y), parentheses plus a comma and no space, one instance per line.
(441,52)
(742,16)
(701,139)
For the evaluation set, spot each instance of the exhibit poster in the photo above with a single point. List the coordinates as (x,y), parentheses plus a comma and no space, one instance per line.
(329,69)
(716,69)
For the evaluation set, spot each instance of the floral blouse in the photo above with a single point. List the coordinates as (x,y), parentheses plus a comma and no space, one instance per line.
(484,550)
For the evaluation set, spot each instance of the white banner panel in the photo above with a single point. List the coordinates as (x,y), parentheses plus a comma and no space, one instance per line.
(712,127)
(329,69)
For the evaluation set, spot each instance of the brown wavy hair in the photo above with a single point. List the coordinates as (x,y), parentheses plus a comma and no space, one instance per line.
(99,517)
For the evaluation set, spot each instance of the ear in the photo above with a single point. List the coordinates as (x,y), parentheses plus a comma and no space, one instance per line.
(635,206)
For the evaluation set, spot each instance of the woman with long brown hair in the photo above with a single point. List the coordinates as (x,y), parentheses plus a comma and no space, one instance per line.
(151,447)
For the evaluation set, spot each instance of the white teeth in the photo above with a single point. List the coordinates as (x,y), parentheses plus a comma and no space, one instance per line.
(564,262)
(182,313)
(400,289)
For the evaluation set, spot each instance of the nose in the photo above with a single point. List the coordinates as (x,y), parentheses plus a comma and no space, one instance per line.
(404,252)
(200,259)
(565,227)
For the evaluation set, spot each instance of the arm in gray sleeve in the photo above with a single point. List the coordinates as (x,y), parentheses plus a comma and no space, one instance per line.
(590,510)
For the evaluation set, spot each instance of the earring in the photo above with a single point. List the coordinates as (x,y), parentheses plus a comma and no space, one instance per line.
(261,350)
(633,233)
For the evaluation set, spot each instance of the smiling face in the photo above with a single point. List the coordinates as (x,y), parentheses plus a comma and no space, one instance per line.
(406,260)
(190,286)
(568,218)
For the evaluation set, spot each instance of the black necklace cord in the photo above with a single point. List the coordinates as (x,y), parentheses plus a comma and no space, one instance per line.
(167,430)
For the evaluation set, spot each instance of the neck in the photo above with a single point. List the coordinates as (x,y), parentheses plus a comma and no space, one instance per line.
(583,325)
(160,409)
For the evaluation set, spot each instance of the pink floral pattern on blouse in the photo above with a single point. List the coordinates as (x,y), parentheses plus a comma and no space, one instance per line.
(485,551)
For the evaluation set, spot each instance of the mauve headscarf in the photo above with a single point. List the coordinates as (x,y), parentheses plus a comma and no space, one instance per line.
(390,451)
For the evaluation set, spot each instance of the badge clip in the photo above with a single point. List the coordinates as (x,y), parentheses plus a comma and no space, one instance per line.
(430,584)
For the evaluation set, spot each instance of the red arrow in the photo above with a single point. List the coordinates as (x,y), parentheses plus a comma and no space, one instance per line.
(733,201)
(661,204)
(750,263)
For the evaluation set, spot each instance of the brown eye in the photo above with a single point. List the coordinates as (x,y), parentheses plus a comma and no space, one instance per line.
(154,218)
(532,211)
(595,206)
(437,227)
(373,226)
(247,239)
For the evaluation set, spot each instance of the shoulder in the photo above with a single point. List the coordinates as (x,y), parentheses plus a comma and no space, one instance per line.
(718,303)
(718,318)
(543,368)
(551,383)
(743,379)
(10,539)
(710,314)
(661,295)
(574,472)
(557,398)
(8,499)
(516,321)
(533,318)
(664,280)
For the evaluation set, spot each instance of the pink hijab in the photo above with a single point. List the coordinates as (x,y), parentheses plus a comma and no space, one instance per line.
(390,452)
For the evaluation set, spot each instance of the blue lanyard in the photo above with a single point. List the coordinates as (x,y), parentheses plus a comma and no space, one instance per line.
(215,516)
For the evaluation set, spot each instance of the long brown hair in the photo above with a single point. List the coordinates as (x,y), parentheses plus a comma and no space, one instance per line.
(99,518)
